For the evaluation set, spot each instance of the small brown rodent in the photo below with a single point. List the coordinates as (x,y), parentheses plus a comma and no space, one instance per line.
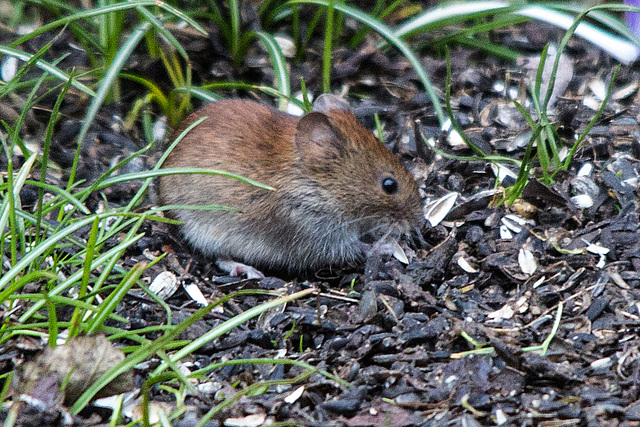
(334,183)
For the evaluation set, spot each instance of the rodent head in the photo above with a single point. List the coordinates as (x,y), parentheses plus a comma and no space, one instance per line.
(365,184)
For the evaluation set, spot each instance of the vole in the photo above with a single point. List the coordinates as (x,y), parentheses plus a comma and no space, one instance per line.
(334,181)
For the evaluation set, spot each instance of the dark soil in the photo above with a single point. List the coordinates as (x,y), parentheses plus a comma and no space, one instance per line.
(395,332)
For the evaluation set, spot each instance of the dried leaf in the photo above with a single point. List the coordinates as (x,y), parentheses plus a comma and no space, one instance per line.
(79,363)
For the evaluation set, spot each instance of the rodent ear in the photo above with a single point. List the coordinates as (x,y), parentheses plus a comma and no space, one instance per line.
(317,139)
(327,101)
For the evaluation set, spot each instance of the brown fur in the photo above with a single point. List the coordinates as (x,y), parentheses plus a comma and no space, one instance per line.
(326,169)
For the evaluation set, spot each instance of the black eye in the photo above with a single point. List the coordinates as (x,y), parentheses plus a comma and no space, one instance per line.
(389,185)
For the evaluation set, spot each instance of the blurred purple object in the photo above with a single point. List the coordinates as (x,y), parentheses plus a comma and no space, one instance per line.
(633,18)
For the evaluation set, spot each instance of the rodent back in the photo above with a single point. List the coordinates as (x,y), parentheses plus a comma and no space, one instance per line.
(240,137)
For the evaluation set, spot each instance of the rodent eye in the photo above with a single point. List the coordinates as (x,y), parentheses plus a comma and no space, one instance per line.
(389,185)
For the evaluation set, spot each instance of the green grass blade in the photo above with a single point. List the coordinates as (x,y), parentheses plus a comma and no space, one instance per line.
(53,323)
(543,156)
(10,86)
(154,90)
(47,67)
(45,155)
(35,252)
(177,171)
(68,197)
(600,16)
(553,146)
(594,35)
(466,37)
(109,304)
(234,18)
(623,50)
(138,196)
(113,253)
(526,165)
(592,122)
(158,25)
(162,343)
(378,14)
(298,363)
(491,48)
(131,4)
(245,86)
(26,279)
(86,192)
(6,208)
(393,38)
(50,243)
(230,324)
(201,93)
(279,65)
(211,207)
(86,273)
(305,104)
(109,78)
(326,50)
(448,14)
(538,81)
